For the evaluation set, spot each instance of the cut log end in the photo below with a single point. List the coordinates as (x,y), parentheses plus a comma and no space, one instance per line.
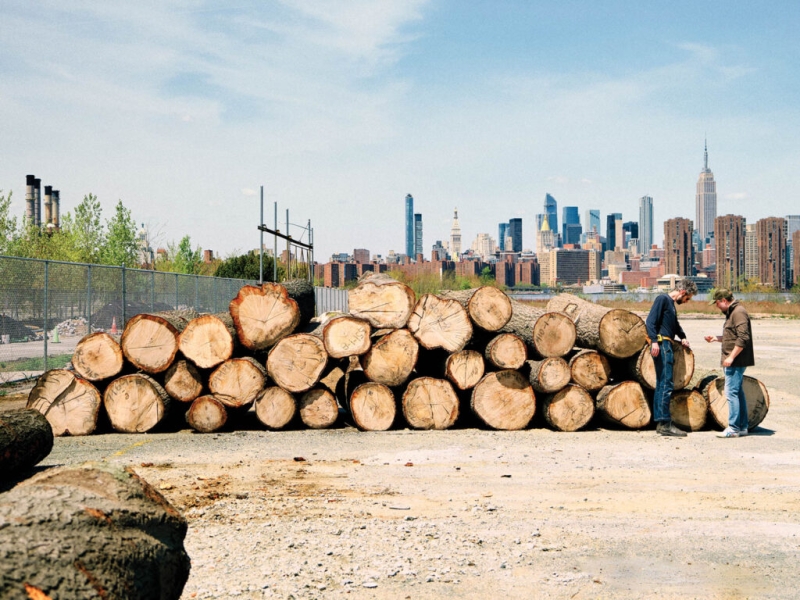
(755,393)
(506,351)
(430,403)
(318,408)
(135,403)
(373,407)
(97,356)
(150,342)
(625,404)
(392,358)
(297,362)
(504,400)
(553,335)
(569,409)
(622,333)
(263,315)
(70,404)
(590,369)
(206,414)
(489,308)
(208,340)
(237,382)
(440,323)
(275,407)
(382,301)
(183,381)
(464,369)
(688,409)
(346,336)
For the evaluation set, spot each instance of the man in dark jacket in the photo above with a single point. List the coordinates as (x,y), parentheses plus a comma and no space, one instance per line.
(737,355)
(662,328)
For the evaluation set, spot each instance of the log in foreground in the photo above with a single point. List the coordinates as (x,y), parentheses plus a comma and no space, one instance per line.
(318,408)
(548,334)
(275,407)
(464,369)
(755,393)
(206,414)
(624,404)
(70,404)
(135,403)
(97,356)
(90,532)
(548,375)
(183,381)
(688,409)
(373,406)
(488,307)
(641,367)
(150,341)
(506,351)
(25,439)
(569,409)
(392,358)
(346,336)
(440,323)
(430,403)
(590,370)
(208,340)
(382,301)
(238,382)
(504,400)
(297,362)
(263,315)
(619,333)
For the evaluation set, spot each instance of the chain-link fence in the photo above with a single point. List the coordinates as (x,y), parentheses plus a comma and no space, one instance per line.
(46,307)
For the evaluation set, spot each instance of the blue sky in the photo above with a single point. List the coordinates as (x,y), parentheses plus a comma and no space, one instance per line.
(182,109)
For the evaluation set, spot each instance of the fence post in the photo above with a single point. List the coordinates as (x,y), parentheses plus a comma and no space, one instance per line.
(177,282)
(124,296)
(89,300)
(214,292)
(196,286)
(46,302)
(153,291)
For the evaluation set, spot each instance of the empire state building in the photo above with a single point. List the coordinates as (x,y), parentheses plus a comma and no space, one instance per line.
(706,202)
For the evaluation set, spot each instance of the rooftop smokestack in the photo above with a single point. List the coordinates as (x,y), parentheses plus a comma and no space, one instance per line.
(30,184)
(37,202)
(48,204)
(56,214)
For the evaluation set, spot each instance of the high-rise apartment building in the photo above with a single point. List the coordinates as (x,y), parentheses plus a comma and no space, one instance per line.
(730,241)
(645,225)
(611,231)
(409,225)
(551,210)
(570,225)
(568,267)
(772,252)
(417,234)
(515,233)
(751,252)
(361,255)
(484,246)
(502,232)
(678,248)
(706,202)
(455,237)
(792,225)
(630,231)
(796,257)
(591,221)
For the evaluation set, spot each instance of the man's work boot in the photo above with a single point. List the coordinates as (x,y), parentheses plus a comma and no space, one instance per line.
(668,429)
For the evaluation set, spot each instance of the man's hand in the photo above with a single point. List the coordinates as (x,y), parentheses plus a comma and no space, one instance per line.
(728,362)
(685,342)
(654,349)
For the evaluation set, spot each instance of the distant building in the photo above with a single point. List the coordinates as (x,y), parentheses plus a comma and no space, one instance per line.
(361,255)
(455,237)
(438,252)
(592,221)
(568,267)
(796,256)
(502,230)
(772,252)
(417,234)
(645,224)
(792,225)
(147,257)
(570,217)
(706,202)
(515,233)
(545,241)
(551,210)
(409,225)
(729,241)
(484,246)
(751,252)
(612,241)
(678,248)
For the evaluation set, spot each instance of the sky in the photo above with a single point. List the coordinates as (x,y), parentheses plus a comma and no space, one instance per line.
(183,109)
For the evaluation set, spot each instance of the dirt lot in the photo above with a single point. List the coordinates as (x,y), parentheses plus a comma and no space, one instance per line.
(469,513)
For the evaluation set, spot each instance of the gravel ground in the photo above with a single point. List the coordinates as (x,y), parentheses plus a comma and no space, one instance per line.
(470,513)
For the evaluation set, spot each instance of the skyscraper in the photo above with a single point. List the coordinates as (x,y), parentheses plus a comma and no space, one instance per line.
(730,239)
(551,210)
(591,221)
(751,252)
(455,237)
(571,225)
(706,202)
(515,233)
(630,229)
(645,225)
(410,226)
(502,232)
(417,234)
(678,248)
(611,231)
(772,252)
(792,225)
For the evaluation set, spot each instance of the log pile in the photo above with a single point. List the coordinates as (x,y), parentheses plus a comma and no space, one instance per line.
(470,356)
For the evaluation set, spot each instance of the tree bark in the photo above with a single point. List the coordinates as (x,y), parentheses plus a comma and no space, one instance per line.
(275,407)
(135,403)
(440,323)
(624,404)
(549,375)
(150,341)
(208,340)
(688,409)
(97,356)
(488,307)
(94,531)
(70,404)
(26,438)
(302,292)
(430,403)
(206,414)
(373,406)
(755,393)
(263,315)
(318,408)
(382,301)
(504,400)
(464,369)
(345,336)
(506,351)
(616,332)
(392,358)
(548,334)
(590,369)
(238,382)
(183,382)
(297,362)
(569,409)
(641,367)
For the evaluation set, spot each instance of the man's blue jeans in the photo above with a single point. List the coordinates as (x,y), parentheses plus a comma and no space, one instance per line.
(664,364)
(737,403)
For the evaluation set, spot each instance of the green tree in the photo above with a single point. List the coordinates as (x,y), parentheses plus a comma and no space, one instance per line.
(184,259)
(246,266)
(87,231)
(121,247)
(8,224)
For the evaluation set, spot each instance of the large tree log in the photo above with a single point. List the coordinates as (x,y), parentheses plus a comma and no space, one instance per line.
(464,369)
(590,370)
(688,409)
(617,332)
(238,382)
(345,336)
(548,334)
(206,414)
(135,403)
(488,307)
(318,408)
(548,375)
(150,341)
(372,406)
(504,400)
(263,315)
(183,381)
(26,438)
(297,362)
(96,531)
(641,367)
(302,292)
(391,358)
(275,407)
(755,393)
(569,409)
(430,403)
(385,302)
(97,356)
(208,340)
(70,404)
(624,404)
(440,323)
(506,351)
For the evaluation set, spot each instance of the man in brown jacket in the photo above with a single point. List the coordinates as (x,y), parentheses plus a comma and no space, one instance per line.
(737,355)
